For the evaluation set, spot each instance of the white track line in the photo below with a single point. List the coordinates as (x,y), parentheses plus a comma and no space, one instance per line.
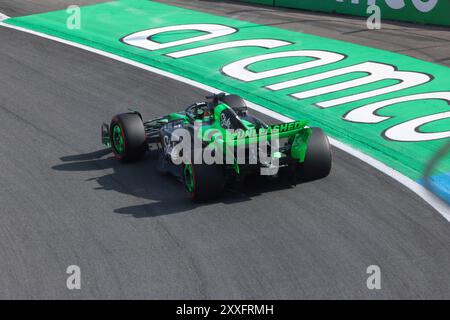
(426,195)
(3,16)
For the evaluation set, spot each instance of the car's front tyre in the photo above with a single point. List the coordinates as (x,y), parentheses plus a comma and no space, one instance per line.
(127,134)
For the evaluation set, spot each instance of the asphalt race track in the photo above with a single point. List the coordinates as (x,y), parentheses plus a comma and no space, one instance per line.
(64,200)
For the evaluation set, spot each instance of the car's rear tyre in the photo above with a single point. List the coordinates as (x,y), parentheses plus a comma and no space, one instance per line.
(127,134)
(203,182)
(318,160)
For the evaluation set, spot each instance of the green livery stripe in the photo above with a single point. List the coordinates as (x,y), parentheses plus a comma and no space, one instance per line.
(402,133)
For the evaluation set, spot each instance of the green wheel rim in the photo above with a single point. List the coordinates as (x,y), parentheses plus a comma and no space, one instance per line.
(117,140)
(189,178)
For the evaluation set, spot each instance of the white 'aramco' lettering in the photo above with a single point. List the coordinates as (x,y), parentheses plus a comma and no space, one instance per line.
(395,4)
(142,39)
(239,69)
(367,113)
(421,5)
(425,6)
(409,131)
(377,72)
(263,43)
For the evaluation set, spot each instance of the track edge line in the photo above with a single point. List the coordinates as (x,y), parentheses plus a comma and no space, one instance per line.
(3,17)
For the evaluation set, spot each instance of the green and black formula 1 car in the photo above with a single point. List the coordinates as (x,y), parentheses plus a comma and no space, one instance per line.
(215,143)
